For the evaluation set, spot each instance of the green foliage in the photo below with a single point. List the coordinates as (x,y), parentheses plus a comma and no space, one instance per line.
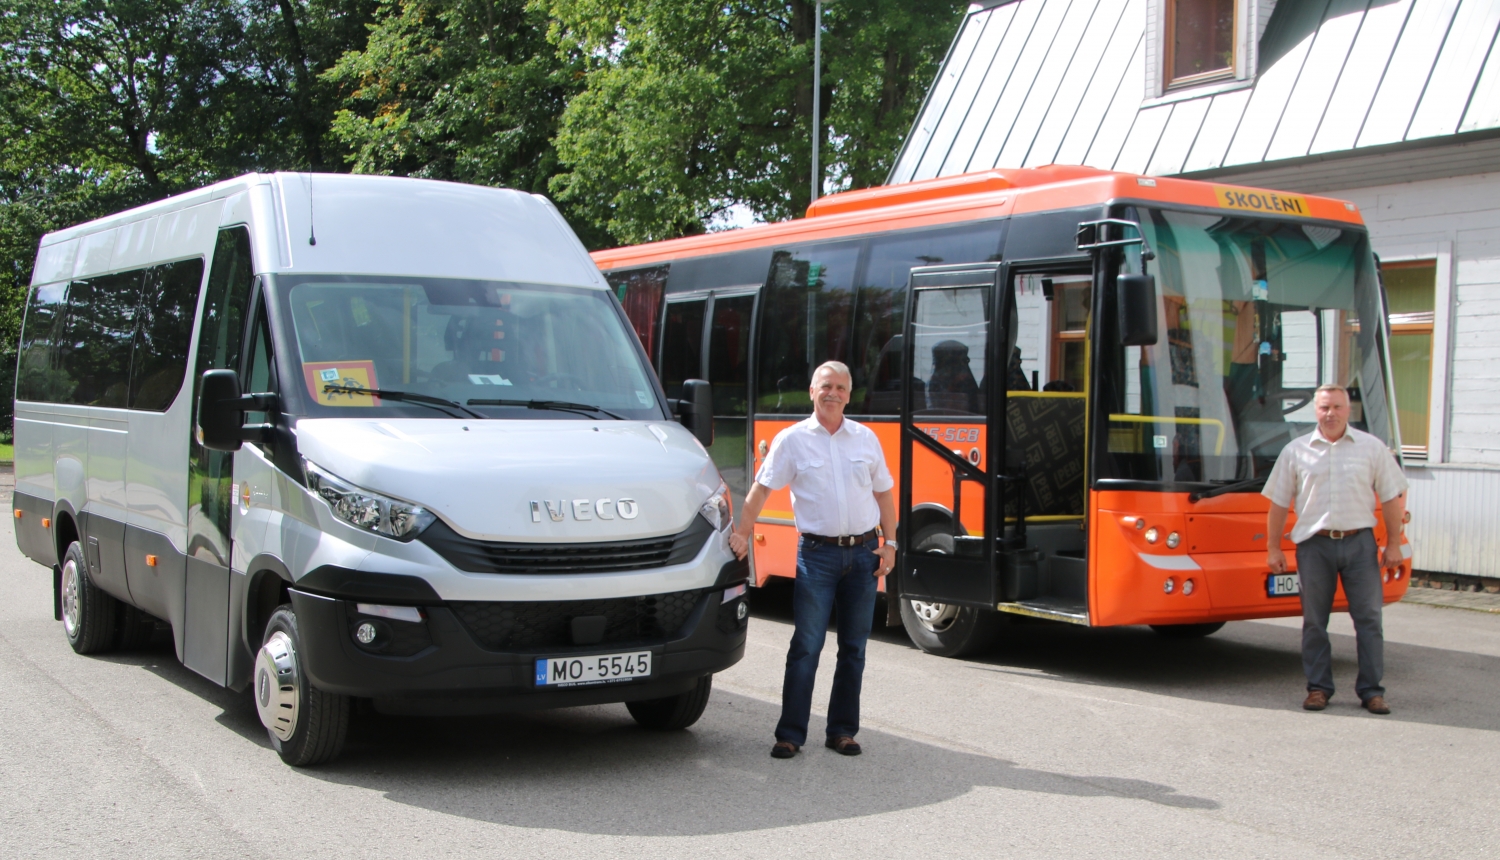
(693,106)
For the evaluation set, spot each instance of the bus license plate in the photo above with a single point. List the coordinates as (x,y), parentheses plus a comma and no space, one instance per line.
(597,669)
(1283,585)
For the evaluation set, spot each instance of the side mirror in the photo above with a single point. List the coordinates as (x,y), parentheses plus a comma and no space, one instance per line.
(1136,299)
(696,410)
(221,412)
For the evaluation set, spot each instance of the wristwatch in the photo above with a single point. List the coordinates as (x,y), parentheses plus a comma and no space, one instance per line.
(890,543)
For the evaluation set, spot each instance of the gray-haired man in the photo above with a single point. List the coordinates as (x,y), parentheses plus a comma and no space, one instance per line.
(1334,474)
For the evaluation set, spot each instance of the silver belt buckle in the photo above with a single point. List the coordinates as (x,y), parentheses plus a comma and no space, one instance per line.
(1337,534)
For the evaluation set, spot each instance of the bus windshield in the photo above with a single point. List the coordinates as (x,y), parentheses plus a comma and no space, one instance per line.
(466,342)
(1253,315)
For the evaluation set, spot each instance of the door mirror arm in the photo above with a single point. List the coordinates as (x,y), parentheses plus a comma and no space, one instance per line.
(221,412)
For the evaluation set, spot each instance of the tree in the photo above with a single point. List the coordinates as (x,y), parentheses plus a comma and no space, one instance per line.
(693,106)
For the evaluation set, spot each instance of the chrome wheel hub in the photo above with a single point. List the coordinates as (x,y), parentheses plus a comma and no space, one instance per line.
(276,680)
(72,612)
(936,617)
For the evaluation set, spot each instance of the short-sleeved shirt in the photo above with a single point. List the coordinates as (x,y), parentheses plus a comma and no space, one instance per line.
(834,476)
(1335,484)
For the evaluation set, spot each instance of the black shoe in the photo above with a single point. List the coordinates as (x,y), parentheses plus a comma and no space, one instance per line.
(843,745)
(784,749)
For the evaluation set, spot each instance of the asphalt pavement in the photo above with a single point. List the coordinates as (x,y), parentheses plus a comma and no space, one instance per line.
(1062,742)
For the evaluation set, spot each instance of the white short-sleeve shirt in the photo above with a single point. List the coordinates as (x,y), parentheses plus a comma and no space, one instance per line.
(1335,485)
(834,476)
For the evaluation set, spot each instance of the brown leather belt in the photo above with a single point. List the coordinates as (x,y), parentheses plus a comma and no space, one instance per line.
(1339,534)
(843,540)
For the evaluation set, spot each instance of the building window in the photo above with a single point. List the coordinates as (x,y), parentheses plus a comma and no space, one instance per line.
(1070,317)
(1200,41)
(1411,289)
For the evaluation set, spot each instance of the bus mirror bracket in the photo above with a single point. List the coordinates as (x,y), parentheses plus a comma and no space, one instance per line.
(1093,235)
(221,412)
(1136,301)
(695,410)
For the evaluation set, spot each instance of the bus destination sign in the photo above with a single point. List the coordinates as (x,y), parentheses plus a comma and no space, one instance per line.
(1274,202)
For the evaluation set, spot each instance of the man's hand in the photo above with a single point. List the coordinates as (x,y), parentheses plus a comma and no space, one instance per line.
(887,555)
(739,543)
(1391,559)
(1276,559)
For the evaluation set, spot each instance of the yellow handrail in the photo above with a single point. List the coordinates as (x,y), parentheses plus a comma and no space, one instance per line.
(1172,419)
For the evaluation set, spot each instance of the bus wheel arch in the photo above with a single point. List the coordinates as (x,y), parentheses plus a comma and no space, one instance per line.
(269,588)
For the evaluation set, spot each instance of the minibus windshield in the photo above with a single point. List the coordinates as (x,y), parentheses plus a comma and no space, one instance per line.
(1253,315)
(463,348)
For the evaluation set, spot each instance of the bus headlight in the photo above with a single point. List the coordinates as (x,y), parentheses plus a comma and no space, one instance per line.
(368,510)
(719,509)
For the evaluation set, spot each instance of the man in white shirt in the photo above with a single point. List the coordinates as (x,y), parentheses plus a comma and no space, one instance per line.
(841,490)
(1334,475)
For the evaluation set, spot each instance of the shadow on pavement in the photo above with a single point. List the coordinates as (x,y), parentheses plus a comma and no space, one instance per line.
(1246,664)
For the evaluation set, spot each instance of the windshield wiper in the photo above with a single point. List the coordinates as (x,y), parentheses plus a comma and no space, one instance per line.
(407,397)
(1236,487)
(557,405)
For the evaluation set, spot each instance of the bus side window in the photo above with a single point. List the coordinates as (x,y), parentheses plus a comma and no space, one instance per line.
(809,303)
(164,328)
(40,376)
(96,350)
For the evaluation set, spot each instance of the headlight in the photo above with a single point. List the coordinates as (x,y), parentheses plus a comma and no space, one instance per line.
(366,510)
(719,510)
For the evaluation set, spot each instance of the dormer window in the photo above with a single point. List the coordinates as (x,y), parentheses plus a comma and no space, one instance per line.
(1200,41)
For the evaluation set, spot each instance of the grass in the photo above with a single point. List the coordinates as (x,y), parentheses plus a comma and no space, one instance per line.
(7,452)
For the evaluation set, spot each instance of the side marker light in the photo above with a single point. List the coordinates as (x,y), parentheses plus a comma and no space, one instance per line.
(46,522)
(151,561)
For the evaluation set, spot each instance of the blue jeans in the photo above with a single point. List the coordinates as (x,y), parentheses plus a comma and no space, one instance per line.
(828,576)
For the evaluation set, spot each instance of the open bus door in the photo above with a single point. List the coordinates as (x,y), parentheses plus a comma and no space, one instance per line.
(954,545)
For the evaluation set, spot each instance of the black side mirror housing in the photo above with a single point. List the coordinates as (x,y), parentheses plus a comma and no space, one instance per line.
(695,410)
(221,412)
(1136,303)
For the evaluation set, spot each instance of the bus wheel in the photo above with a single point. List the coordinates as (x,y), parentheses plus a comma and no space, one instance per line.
(673,712)
(307,726)
(88,614)
(941,628)
(1188,631)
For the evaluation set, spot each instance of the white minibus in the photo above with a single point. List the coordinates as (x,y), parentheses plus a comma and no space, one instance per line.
(361,437)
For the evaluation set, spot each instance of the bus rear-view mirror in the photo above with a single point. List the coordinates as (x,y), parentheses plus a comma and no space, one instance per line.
(1136,297)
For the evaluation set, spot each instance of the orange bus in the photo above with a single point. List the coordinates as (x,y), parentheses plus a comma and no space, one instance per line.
(1082,379)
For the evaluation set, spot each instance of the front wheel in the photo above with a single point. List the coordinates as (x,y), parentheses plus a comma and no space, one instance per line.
(943,628)
(673,713)
(88,613)
(1188,631)
(307,726)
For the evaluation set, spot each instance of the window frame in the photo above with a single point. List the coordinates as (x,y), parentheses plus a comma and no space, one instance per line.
(1424,322)
(1249,22)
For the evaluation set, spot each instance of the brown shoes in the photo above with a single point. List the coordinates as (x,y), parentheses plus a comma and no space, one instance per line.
(1377,705)
(784,749)
(843,745)
(1316,700)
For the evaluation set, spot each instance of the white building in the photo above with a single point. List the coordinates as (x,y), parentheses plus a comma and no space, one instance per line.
(1391,104)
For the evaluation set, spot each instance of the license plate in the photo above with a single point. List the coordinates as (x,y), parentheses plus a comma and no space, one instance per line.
(1283,585)
(597,669)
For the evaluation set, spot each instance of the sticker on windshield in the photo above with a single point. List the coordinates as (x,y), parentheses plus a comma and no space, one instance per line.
(1274,202)
(321,375)
(643,397)
(488,379)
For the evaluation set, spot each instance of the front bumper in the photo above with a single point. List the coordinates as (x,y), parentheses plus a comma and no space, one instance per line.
(450,670)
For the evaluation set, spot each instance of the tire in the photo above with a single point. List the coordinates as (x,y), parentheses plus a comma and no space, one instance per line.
(1188,631)
(943,629)
(88,613)
(134,629)
(673,713)
(307,726)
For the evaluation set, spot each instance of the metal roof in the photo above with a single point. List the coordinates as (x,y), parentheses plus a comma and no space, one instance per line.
(1034,82)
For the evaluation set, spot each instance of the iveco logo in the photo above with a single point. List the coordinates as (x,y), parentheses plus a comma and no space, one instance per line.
(585,509)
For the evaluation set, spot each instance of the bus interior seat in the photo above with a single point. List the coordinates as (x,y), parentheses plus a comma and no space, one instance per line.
(952,387)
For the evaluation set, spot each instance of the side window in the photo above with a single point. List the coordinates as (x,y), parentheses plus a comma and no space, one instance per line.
(100,329)
(260,374)
(40,376)
(164,328)
(809,299)
(880,303)
(640,292)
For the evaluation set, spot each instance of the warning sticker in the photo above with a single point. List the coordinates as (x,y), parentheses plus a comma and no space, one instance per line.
(344,374)
(1272,202)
